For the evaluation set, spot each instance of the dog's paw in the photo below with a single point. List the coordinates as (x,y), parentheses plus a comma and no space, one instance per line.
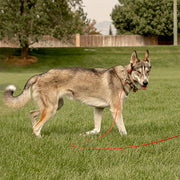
(123,133)
(94,131)
(83,134)
(37,134)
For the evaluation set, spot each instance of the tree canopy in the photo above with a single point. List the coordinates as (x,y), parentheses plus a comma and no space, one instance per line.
(29,20)
(144,17)
(90,29)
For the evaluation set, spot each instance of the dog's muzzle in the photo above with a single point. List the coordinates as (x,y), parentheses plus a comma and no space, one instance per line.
(145,83)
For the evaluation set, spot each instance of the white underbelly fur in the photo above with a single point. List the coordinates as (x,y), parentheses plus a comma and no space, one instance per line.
(91,101)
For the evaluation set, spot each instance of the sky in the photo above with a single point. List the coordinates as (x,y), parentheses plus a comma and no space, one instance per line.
(99,10)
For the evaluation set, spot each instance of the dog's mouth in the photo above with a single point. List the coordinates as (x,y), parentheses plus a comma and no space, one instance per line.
(144,87)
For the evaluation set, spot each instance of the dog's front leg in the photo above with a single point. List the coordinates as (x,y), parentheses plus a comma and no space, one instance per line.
(97,121)
(120,123)
(119,118)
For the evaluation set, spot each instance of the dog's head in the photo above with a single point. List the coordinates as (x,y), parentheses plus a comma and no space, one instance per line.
(140,69)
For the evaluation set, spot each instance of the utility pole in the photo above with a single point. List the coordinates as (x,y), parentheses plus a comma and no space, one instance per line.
(175,31)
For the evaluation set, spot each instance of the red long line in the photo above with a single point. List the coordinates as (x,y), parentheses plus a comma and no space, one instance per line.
(126,147)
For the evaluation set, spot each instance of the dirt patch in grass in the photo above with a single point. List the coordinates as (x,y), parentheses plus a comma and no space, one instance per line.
(17,60)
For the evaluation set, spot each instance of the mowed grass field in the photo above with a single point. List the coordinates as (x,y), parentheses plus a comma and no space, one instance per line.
(149,115)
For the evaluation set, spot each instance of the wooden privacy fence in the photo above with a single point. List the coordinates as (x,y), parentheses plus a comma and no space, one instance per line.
(116,41)
(96,41)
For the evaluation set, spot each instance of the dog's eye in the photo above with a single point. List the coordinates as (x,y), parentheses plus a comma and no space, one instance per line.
(147,72)
(139,72)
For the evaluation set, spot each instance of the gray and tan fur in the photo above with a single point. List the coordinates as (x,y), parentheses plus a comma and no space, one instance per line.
(97,87)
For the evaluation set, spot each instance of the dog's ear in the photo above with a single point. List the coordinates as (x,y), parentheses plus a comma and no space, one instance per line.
(146,58)
(134,58)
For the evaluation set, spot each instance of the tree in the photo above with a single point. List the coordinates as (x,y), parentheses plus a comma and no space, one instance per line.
(144,17)
(90,29)
(29,20)
(110,30)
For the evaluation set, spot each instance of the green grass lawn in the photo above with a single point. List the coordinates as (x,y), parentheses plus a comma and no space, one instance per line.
(149,115)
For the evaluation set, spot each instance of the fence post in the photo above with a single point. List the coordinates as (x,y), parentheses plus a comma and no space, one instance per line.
(77,40)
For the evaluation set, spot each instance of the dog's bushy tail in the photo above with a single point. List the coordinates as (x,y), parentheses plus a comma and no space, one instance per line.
(22,99)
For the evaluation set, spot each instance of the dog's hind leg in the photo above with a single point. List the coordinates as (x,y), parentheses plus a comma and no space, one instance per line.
(46,114)
(34,114)
(97,121)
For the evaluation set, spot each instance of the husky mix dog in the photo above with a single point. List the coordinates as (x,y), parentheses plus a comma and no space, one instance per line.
(97,87)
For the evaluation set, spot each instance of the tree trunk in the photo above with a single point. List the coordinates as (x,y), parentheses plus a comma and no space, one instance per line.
(175,24)
(24,52)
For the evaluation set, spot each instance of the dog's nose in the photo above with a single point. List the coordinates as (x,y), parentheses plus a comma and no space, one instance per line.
(145,82)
